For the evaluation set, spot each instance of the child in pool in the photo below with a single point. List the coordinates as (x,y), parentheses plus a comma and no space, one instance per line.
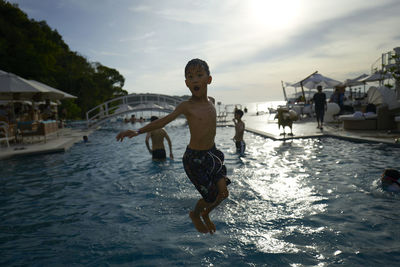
(391,180)
(157,149)
(203,163)
(239,131)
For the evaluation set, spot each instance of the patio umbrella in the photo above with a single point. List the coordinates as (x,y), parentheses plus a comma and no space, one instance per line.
(57,94)
(356,81)
(14,87)
(315,79)
(377,76)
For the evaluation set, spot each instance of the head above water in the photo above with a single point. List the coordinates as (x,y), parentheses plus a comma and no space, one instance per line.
(197,63)
(239,112)
(153,118)
(390,176)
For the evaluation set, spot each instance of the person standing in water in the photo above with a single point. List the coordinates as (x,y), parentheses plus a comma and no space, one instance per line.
(202,161)
(157,143)
(239,131)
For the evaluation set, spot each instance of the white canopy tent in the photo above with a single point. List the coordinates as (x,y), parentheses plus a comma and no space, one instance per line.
(382,95)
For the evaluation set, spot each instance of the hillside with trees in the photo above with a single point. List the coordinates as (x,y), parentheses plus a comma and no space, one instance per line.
(32,50)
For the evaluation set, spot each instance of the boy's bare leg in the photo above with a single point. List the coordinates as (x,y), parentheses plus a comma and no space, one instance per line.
(195,216)
(222,194)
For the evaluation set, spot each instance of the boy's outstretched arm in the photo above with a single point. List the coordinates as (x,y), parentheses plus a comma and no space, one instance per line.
(157,124)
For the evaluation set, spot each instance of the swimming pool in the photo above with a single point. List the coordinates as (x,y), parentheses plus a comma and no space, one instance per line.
(309,202)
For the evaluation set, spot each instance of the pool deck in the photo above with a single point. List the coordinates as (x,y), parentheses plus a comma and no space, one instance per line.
(58,142)
(264,125)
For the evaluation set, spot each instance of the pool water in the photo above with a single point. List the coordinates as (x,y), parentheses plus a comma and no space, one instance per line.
(309,202)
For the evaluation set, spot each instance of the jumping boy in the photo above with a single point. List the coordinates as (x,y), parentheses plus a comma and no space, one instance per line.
(203,163)
(157,143)
(239,131)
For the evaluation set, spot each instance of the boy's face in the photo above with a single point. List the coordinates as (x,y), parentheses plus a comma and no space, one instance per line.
(197,81)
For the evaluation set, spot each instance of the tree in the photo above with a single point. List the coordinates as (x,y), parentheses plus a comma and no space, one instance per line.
(34,51)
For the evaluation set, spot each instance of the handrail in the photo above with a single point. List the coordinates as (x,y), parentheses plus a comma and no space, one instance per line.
(106,110)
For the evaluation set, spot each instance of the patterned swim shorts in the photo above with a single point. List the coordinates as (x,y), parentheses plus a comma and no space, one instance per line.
(205,168)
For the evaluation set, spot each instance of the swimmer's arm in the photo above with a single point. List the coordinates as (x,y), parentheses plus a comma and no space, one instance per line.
(169,144)
(147,142)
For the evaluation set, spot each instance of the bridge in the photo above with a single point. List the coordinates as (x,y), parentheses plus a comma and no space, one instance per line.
(129,104)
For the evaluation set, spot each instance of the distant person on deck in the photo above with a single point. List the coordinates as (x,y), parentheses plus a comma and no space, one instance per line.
(239,131)
(157,148)
(320,106)
(203,163)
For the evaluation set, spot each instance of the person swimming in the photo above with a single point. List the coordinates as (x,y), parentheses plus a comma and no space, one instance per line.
(391,180)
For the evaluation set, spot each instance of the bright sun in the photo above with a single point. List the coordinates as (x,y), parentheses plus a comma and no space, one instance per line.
(275,14)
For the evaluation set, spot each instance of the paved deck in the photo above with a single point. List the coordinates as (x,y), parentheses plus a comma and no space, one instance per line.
(267,126)
(264,125)
(56,143)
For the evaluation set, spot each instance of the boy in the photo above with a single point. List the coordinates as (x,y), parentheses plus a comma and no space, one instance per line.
(391,180)
(203,163)
(157,143)
(239,131)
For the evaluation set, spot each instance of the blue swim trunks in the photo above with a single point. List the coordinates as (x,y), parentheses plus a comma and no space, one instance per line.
(240,147)
(205,168)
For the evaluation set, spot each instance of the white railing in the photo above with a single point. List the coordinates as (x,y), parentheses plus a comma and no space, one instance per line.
(130,104)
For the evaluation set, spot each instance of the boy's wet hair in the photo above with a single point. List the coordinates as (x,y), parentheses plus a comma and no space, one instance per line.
(197,63)
(390,176)
(240,112)
(153,118)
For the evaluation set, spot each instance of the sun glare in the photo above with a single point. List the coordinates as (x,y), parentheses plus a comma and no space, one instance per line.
(274,14)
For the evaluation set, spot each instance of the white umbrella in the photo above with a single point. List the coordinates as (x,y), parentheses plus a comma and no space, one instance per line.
(58,93)
(356,81)
(14,87)
(316,79)
(377,76)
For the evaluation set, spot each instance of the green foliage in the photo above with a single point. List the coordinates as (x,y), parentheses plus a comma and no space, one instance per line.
(395,69)
(33,50)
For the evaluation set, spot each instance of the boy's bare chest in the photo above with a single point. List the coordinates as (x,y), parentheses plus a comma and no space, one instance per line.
(203,112)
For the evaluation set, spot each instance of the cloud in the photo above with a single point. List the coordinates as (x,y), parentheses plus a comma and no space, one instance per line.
(144,36)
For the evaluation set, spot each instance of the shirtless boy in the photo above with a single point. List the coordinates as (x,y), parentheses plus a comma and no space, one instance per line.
(203,163)
(157,143)
(239,131)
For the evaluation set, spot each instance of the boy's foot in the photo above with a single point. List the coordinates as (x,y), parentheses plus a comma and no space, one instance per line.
(210,225)
(198,223)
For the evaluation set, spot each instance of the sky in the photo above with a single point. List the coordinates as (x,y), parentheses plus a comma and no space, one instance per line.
(250,46)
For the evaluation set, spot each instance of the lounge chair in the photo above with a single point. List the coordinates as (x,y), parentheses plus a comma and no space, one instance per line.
(382,120)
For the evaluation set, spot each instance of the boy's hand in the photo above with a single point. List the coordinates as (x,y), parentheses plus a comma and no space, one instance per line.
(127,133)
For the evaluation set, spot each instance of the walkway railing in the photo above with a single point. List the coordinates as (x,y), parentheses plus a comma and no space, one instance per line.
(130,104)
